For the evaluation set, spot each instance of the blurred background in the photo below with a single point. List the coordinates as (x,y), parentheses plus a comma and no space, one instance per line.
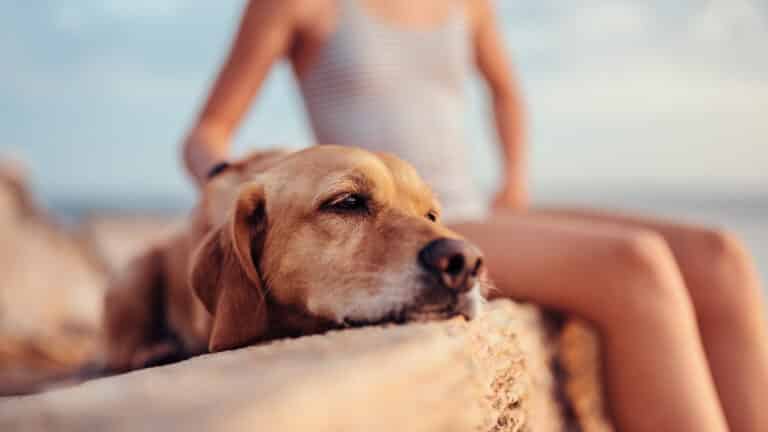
(647,105)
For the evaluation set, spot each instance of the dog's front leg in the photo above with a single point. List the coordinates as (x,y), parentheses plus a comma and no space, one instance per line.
(135,327)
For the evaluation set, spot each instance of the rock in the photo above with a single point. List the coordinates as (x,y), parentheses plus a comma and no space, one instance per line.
(448,376)
(493,374)
(581,383)
(117,238)
(50,295)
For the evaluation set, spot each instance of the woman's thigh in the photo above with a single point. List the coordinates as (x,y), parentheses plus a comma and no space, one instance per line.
(590,268)
(625,280)
(682,237)
(718,271)
(724,288)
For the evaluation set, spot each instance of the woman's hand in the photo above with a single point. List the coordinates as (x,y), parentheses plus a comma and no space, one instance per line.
(512,197)
(495,67)
(203,150)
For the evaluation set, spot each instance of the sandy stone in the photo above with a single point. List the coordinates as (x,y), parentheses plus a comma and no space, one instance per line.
(448,376)
(117,238)
(493,374)
(579,355)
(51,291)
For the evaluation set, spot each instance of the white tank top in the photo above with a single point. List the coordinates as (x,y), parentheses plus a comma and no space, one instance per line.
(401,91)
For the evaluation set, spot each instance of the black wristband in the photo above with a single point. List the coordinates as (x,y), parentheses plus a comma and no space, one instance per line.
(217,169)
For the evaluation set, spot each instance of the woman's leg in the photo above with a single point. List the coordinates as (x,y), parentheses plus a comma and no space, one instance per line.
(626,282)
(725,290)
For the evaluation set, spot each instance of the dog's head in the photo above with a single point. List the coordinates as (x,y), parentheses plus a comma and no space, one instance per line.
(323,238)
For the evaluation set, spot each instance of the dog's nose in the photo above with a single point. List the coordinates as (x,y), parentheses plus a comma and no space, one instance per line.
(456,263)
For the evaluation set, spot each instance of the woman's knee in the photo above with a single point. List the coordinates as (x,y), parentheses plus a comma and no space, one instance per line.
(643,279)
(717,251)
(721,276)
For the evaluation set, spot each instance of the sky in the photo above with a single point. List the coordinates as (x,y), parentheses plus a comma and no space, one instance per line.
(96,95)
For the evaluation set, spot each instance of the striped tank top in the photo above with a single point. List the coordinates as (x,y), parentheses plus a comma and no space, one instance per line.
(402,91)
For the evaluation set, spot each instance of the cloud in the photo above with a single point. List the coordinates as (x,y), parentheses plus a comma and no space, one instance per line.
(619,90)
(143,8)
(83,14)
(725,21)
(76,16)
(644,90)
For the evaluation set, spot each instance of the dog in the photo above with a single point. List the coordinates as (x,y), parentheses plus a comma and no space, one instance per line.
(285,244)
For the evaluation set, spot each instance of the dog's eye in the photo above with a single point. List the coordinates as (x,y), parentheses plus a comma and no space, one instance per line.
(347,203)
(432,216)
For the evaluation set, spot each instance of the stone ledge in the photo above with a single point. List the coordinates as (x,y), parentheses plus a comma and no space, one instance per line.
(491,374)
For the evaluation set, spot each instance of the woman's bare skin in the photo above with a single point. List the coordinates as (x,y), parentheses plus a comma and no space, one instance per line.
(678,308)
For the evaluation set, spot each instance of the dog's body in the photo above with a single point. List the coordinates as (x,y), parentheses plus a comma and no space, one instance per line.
(287,244)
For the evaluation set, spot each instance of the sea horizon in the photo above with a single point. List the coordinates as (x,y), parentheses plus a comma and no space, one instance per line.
(741,211)
(750,201)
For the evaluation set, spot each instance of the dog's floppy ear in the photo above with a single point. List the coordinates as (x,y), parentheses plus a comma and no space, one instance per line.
(225,277)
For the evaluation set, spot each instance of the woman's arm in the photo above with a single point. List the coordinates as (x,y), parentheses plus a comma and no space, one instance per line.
(492,61)
(265,35)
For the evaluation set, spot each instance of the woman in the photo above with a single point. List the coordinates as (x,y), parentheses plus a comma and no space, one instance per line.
(677,307)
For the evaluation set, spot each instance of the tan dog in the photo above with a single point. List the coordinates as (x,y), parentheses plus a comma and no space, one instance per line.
(288,244)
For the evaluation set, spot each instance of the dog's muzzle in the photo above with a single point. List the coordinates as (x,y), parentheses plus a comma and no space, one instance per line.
(455,264)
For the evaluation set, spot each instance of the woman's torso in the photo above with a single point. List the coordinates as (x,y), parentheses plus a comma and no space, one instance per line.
(383,85)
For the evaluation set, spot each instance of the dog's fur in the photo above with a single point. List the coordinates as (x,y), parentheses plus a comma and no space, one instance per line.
(272,251)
